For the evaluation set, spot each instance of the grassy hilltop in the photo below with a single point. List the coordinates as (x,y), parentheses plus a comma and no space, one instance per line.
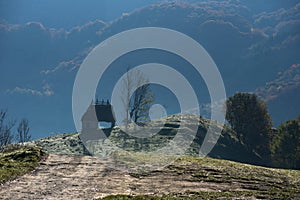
(188,177)
(227,147)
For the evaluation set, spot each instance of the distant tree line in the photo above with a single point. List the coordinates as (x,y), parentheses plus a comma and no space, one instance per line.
(249,118)
(7,133)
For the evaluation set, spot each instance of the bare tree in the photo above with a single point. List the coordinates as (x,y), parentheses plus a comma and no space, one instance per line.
(140,104)
(23,131)
(136,103)
(6,135)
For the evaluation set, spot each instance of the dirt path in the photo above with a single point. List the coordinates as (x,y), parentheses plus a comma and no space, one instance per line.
(84,177)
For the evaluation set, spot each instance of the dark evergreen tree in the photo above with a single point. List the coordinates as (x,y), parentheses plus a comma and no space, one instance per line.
(285,147)
(249,117)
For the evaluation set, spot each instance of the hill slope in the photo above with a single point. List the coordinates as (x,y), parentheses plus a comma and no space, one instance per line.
(68,173)
(227,147)
(86,177)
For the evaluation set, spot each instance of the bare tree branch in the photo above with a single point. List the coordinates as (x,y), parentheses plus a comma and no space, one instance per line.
(136,105)
(6,135)
(23,131)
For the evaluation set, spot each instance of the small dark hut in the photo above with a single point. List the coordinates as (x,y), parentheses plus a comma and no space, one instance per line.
(98,112)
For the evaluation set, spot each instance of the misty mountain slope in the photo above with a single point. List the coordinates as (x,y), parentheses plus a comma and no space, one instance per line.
(240,43)
(29,55)
(251,51)
(31,51)
(204,23)
(283,94)
(250,45)
(50,47)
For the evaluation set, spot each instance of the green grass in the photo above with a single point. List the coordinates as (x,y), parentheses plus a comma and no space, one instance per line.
(255,181)
(18,160)
(235,170)
(207,195)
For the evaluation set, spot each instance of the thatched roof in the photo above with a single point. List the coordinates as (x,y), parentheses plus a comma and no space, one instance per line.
(100,113)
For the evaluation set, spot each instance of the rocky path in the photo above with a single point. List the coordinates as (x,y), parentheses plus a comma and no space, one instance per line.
(84,177)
